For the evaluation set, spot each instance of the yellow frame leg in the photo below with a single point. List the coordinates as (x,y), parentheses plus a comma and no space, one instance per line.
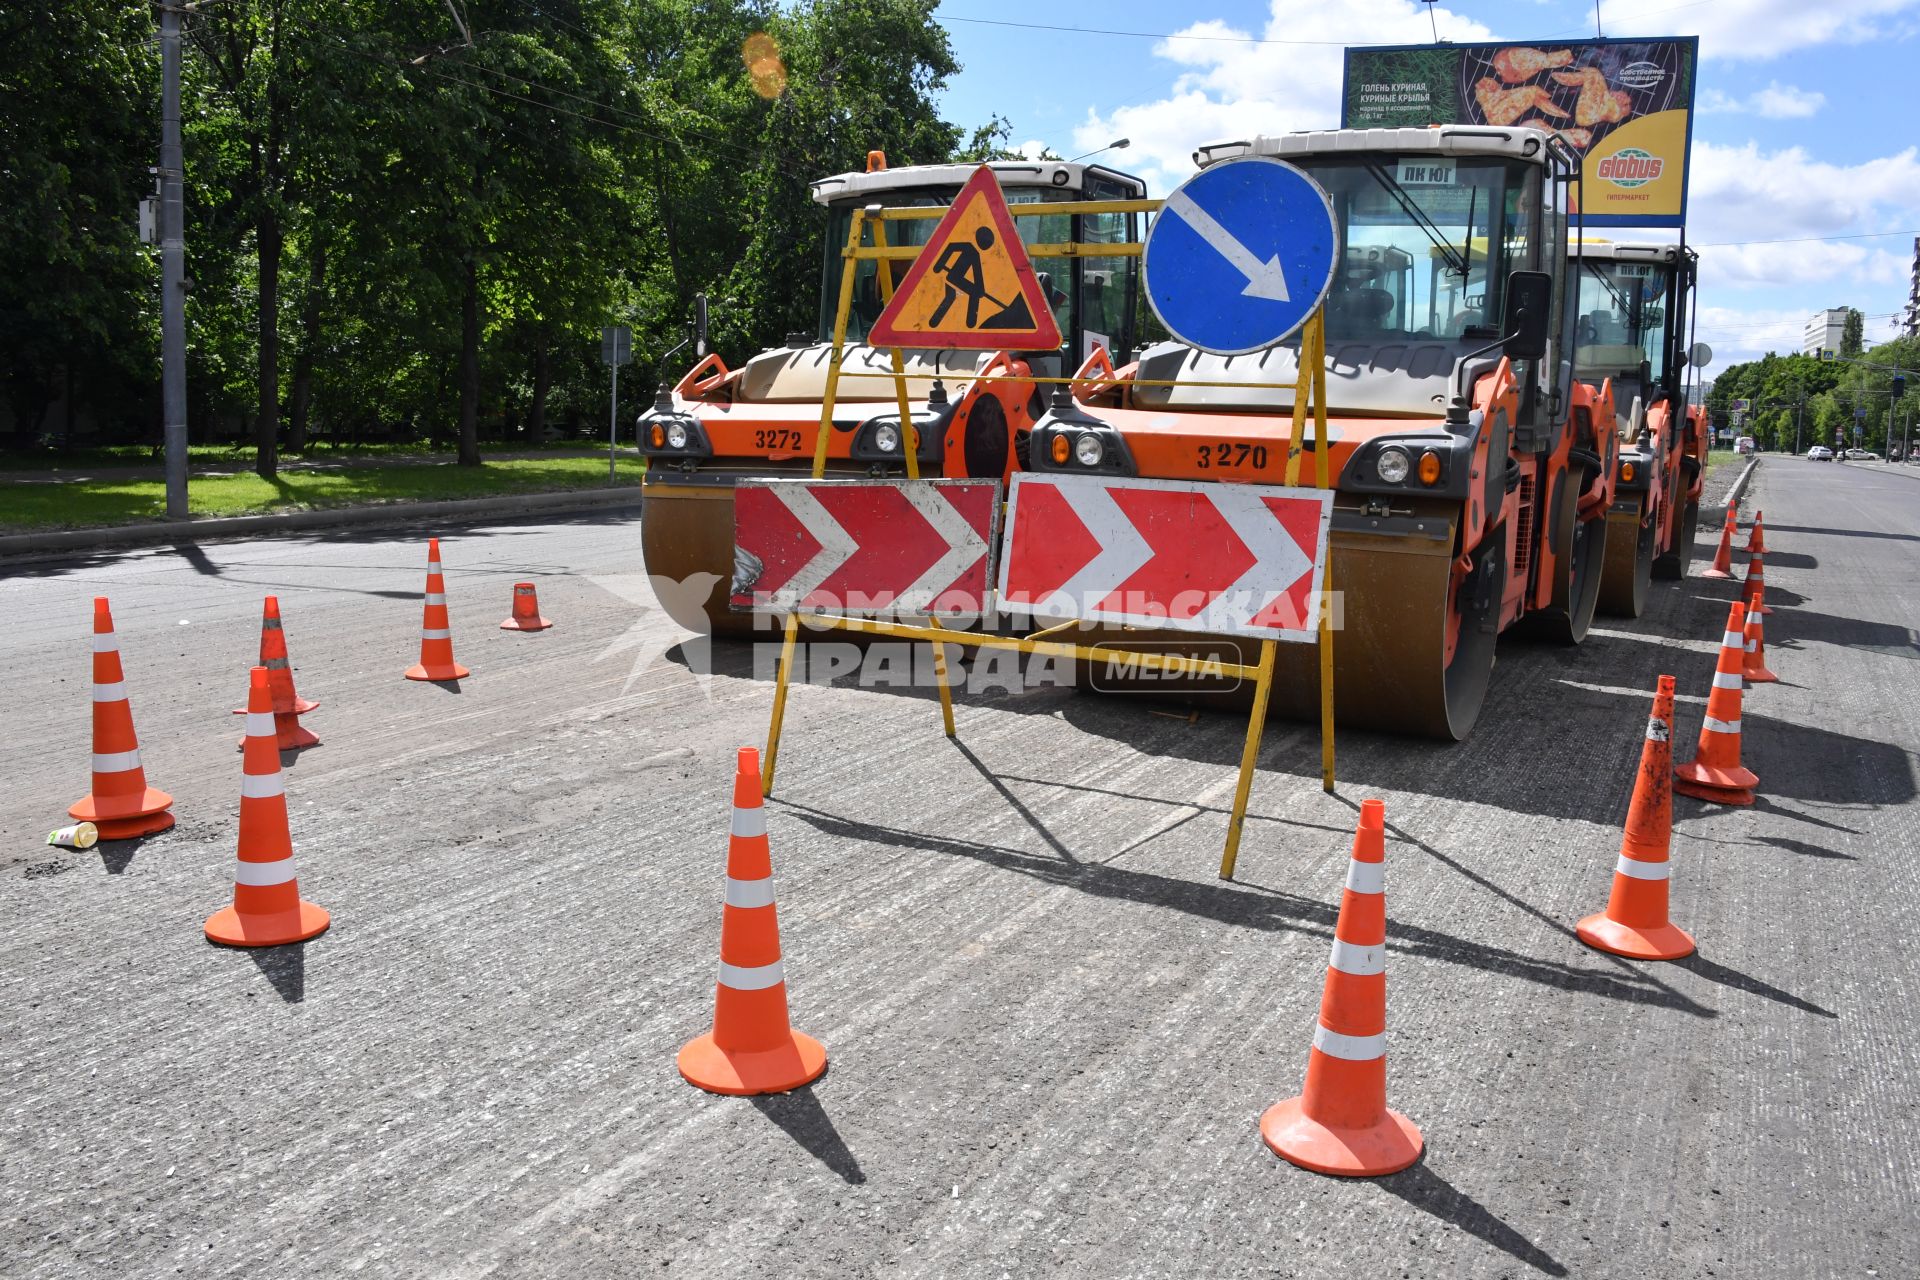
(1263,685)
(940,678)
(779,702)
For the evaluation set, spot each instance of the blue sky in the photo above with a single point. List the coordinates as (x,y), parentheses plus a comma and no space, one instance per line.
(1810,126)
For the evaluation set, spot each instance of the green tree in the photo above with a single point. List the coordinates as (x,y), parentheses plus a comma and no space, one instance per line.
(79,130)
(1852,334)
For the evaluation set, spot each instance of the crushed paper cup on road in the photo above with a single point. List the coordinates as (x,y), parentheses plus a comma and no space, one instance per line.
(81,835)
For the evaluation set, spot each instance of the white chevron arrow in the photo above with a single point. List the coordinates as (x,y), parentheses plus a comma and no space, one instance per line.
(1264,279)
(1122,550)
(836,544)
(1278,562)
(965,547)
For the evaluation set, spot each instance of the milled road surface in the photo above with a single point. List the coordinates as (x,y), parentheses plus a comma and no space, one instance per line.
(1052,1028)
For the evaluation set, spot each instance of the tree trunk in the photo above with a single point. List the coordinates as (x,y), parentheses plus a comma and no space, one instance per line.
(300,398)
(470,367)
(542,380)
(266,427)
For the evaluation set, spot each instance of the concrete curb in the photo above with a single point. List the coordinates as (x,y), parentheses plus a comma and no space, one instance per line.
(59,541)
(1740,486)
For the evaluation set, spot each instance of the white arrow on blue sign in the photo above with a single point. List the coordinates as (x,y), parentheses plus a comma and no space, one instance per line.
(1240,255)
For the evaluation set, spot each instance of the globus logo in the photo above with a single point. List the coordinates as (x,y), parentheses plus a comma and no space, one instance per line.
(1631,167)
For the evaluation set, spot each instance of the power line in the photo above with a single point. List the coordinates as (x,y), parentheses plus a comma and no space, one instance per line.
(1863,235)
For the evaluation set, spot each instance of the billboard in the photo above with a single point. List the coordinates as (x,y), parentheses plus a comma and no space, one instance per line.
(1626,106)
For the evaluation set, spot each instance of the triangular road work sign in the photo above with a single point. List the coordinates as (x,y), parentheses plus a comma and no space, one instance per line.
(972,287)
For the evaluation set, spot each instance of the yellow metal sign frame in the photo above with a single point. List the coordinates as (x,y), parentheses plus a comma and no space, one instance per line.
(1310,389)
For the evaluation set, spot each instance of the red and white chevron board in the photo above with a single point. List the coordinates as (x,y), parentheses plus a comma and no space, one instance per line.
(864,546)
(1231,559)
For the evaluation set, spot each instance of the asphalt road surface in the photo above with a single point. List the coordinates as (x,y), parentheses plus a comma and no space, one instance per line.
(1052,1029)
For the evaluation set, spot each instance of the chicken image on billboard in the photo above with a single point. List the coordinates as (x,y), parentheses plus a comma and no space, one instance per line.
(1625,106)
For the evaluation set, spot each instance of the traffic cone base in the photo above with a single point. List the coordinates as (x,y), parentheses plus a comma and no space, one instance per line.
(1388,1146)
(300,707)
(1715,779)
(229,928)
(1707,791)
(152,820)
(1661,942)
(778,1070)
(451,671)
(288,733)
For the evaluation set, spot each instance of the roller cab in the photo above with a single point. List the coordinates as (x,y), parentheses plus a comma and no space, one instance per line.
(1632,330)
(1473,471)
(718,425)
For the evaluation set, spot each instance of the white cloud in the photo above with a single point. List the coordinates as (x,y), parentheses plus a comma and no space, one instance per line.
(1233,88)
(1746,194)
(1761,29)
(1775,102)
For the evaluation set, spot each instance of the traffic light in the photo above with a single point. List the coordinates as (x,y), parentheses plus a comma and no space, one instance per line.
(1899,385)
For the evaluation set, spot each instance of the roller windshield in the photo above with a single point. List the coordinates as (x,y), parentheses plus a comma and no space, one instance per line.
(1623,318)
(1429,242)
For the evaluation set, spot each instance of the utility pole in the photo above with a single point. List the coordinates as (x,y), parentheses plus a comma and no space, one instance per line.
(173,268)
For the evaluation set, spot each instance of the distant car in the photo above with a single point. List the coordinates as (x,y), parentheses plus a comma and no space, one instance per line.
(1862,455)
(1743,444)
(1819,453)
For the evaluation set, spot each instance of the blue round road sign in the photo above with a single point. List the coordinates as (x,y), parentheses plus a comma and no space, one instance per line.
(1240,255)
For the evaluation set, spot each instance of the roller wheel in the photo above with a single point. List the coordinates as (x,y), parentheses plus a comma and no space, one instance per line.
(1629,565)
(1577,591)
(1471,670)
(1673,565)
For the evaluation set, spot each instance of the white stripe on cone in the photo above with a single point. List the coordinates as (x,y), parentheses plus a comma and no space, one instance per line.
(435,633)
(1722,726)
(752,978)
(436,597)
(1367,877)
(1358,960)
(1641,870)
(750,893)
(116,761)
(1349,1048)
(262,874)
(261,786)
(260,724)
(1727,680)
(749,822)
(115,692)
(108,643)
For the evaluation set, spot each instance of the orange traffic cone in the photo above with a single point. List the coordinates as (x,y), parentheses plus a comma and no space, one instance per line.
(1340,1123)
(526,610)
(1753,669)
(752,1048)
(1635,922)
(120,803)
(436,636)
(1715,773)
(1755,586)
(1757,536)
(1723,558)
(288,706)
(267,907)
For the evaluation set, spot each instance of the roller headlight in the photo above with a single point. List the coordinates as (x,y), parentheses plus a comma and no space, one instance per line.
(886,438)
(676,435)
(1392,465)
(1088,451)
